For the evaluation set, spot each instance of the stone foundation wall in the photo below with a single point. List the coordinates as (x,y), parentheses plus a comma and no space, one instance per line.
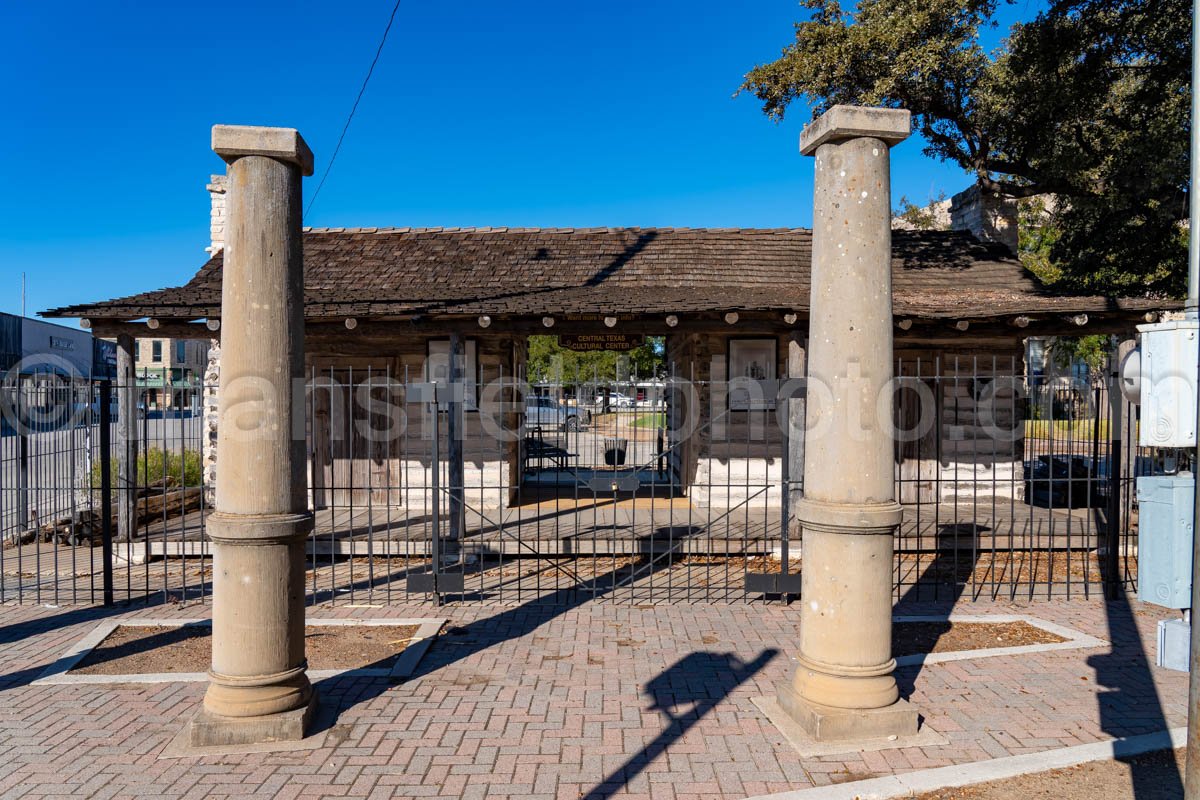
(212,372)
(208,431)
(217,186)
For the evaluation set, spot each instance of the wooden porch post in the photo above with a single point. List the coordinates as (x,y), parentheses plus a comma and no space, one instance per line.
(127,438)
(454,433)
(796,365)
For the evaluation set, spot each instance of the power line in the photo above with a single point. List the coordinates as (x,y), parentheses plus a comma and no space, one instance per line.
(354,108)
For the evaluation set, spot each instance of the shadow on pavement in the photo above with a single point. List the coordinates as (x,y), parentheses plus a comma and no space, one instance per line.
(684,693)
(1129,703)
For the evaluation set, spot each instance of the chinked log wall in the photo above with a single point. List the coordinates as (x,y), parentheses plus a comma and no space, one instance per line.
(732,455)
(364,453)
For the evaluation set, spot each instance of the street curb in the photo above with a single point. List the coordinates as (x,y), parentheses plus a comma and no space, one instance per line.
(1075,640)
(928,780)
(58,673)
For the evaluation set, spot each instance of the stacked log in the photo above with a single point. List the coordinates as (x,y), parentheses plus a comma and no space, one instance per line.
(155,503)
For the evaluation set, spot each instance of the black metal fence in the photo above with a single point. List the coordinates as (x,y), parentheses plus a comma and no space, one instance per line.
(653,491)
(74,527)
(1026,489)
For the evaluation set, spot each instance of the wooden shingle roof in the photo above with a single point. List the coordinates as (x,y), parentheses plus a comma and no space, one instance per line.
(396,272)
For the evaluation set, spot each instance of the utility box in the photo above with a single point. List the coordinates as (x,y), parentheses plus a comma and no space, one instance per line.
(1174,644)
(1165,539)
(1168,384)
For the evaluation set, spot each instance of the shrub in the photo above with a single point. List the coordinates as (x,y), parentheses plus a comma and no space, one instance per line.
(179,468)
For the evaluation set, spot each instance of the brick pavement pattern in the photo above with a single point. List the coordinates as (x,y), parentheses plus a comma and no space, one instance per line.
(589,701)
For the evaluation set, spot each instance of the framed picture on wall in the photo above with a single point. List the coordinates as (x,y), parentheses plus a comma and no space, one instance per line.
(752,374)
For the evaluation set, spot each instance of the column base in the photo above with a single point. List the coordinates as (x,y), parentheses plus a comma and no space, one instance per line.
(825,723)
(213,730)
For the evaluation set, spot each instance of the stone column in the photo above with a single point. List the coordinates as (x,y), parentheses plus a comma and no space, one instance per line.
(259,690)
(843,687)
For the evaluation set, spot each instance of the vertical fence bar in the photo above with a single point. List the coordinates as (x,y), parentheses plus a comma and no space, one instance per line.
(15,531)
(973,566)
(106,489)
(1112,532)
(456,468)
(24,518)
(22,470)
(435,494)
(372,454)
(1017,417)
(939,404)
(351,458)
(145,482)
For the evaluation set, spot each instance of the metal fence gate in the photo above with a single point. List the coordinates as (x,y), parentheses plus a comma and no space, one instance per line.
(427,491)
(656,491)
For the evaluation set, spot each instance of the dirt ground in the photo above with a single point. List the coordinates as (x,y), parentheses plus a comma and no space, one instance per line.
(909,638)
(1153,776)
(132,650)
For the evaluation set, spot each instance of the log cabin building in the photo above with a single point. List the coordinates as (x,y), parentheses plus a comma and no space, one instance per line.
(389,305)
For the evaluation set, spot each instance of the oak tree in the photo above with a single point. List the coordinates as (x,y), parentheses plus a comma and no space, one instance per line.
(1087,103)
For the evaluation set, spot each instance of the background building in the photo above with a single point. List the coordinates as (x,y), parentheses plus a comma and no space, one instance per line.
(39,346)
(170,373)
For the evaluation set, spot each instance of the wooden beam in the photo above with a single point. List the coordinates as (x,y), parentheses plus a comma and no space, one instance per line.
(167,329)
(653,325)
(748,322)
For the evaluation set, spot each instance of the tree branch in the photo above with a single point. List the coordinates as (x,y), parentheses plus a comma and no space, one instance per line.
(1009,189)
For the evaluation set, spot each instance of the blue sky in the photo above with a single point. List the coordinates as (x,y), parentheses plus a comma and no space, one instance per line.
(528,112)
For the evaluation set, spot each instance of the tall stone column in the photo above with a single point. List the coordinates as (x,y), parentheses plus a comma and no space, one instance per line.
(843,687)
(259,690)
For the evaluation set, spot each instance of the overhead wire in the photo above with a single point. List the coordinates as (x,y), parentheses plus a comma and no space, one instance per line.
(362,90)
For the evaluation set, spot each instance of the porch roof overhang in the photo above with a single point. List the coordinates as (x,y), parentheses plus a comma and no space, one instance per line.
(437,278)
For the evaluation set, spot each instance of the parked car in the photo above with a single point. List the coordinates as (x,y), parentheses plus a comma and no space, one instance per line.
(1064,482)
(619,400)
(546,412)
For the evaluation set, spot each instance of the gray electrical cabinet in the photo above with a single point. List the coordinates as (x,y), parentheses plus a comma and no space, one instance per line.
(1174,644)
(1168,383)
(1165,539)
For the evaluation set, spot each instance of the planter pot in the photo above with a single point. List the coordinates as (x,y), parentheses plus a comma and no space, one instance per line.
(614,451)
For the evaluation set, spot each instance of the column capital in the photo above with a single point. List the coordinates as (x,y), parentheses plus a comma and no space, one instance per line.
(890,125)
(231,142)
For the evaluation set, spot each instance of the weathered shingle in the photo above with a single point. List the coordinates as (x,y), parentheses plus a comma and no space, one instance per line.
(532,271)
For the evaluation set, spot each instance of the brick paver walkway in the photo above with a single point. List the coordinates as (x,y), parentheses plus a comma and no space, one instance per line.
(593,701)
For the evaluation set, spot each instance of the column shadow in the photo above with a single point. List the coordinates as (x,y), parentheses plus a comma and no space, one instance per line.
(463,641)
(1129,702)
(943,582)
(684,693)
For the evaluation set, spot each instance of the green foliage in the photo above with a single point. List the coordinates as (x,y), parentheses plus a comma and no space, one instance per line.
(1091,350)
(549,362)
(180,469)
(1075,429)
(1037,238)
(921,218)
(1087,102)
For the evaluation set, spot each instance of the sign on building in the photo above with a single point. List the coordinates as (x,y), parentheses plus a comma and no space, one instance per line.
(589,342)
